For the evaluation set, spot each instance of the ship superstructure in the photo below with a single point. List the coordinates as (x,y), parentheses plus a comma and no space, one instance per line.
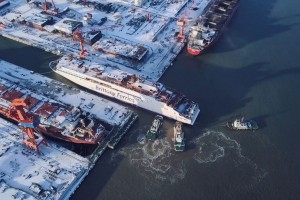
(128,88)
(206,30)
(57,120)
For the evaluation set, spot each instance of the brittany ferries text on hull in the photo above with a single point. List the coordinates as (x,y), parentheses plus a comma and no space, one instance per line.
(128,88)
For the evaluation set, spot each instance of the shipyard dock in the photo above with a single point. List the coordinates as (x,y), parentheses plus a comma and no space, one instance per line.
(139,37)
(56,172)
(25,174)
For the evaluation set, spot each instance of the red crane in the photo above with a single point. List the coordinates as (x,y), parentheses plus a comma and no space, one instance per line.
(181,22)
(28,124)
(77,35)
(50,12)
(2,25)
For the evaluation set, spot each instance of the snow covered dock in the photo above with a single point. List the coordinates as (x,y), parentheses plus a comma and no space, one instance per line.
(57,172)
(142,38)
(104,109)
(27,175)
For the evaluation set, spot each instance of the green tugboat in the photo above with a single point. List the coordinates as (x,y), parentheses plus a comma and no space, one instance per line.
(179,144)
(152,133)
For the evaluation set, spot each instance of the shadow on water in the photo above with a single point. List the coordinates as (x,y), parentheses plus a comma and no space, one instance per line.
(255,24)
(25,56)
(103,171)
(221,91)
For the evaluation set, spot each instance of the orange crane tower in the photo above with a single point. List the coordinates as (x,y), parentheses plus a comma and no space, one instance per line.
(182,22)
(50,12)
(77,35)
(27,124)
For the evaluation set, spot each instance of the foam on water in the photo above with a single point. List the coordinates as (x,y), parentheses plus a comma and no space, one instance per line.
(155,160)
(212,146)
(158,162)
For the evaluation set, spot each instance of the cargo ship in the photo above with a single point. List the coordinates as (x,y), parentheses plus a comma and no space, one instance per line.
(128,88)
(207,29)
(56,119)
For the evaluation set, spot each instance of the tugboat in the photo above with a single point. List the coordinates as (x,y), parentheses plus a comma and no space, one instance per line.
(152,133)
(240,124)
(179,144)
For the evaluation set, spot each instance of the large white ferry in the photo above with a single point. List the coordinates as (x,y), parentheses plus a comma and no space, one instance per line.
(128,88)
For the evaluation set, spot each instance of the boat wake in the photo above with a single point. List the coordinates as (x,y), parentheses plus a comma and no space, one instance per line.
(155,160)
(210,146)
(159,163)
(213,146)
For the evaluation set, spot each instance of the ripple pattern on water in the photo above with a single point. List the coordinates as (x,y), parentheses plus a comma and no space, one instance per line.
(212,146)
(158,162)
(155,160)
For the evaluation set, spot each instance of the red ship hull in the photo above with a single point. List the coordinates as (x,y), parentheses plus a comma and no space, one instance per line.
(52,131)
(46,110)
(194,52)
(56,133)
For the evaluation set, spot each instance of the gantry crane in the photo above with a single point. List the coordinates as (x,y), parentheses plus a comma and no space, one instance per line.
(182,22)
(27,124)
(77,36)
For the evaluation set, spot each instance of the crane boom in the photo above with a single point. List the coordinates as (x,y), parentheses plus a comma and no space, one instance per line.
(27,124)
(182,22)
(77,35)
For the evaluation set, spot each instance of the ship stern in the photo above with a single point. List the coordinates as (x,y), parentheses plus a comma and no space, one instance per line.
(194,52)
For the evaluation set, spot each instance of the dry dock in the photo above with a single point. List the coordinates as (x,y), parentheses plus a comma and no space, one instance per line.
(56,172)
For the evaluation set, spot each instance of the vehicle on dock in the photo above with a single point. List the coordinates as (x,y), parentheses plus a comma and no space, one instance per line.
(179,144)
(152,133)
(240,124)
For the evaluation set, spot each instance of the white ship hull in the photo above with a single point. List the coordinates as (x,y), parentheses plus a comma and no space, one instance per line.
(126,95)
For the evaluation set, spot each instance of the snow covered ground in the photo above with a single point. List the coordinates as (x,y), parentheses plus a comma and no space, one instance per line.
(56,172)
(152,26)
(105,110)
(25,174)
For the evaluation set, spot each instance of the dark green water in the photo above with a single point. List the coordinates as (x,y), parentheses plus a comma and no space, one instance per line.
(254,70)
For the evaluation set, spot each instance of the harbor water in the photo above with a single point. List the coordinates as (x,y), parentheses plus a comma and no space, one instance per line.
(252,71)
